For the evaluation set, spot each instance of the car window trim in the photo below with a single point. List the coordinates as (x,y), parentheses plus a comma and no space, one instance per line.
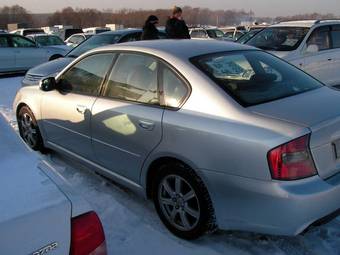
(79,60)
(159,86)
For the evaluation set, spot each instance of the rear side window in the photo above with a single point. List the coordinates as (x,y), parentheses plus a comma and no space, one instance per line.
(174,89)
(336,36)
(134,78)
(321,38)
(4,42)
(255,77)
(86,76)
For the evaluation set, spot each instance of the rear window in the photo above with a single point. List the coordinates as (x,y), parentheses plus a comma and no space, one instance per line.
(254,77)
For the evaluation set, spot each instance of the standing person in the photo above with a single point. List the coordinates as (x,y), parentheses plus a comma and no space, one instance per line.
(175,26)
(150,32)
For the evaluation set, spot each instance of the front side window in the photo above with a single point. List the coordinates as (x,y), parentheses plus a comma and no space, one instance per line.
(174,89)
(86,76)
(279,38)
(321,38)
(255,77)
(49,40)
(22,42)
(336,36)
(134,78)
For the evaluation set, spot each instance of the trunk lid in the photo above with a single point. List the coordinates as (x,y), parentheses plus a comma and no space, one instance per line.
(318,110)
(34,213)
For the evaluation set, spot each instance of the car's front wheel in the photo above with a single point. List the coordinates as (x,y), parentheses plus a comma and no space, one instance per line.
(182,202)
(29,130)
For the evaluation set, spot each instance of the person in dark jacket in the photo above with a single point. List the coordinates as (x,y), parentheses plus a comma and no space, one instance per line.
(150,32)
(175,26)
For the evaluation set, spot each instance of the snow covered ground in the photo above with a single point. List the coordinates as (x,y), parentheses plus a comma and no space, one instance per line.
(132,226)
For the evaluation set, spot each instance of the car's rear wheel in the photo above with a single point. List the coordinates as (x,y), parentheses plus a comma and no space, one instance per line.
(29,130)
(182,202)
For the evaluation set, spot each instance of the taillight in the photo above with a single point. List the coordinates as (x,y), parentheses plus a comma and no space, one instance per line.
(292,161)
(87,235)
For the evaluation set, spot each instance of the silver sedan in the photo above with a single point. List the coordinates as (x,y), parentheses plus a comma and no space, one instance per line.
(216,134)
(18,53)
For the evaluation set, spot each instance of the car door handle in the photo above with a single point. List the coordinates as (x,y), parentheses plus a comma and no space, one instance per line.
(146,125)
(81,109)
(329,59)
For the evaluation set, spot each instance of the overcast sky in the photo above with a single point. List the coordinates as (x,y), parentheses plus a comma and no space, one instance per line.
(260,7)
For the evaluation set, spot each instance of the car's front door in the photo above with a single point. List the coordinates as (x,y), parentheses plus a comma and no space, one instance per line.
(335,76)
(319,63)
(7,55)
(66,112)
(27,54)
(127,119)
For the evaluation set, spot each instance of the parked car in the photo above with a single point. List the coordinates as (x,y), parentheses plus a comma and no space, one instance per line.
(206,33)
(96,30)
(28,31)
(53,67)
(313,46)
(233,33)
(40,213)
(18,53)
(216,133)
(45,40)
(76,39)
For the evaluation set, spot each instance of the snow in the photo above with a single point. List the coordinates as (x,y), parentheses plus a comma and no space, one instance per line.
(132,225)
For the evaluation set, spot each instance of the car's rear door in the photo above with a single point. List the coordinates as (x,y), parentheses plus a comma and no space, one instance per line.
(126,121)
(7,55)
(66,112)
(27,54)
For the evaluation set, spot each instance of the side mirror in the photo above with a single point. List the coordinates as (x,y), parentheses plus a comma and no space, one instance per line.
(312,48)
(48,84)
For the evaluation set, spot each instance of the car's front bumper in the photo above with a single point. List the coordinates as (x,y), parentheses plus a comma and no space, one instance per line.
(271,207)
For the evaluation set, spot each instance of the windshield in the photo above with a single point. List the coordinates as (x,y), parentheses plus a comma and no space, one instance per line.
(94,42)
(245,37)
(279,38)
(215,33)
(254,77)
(49,40)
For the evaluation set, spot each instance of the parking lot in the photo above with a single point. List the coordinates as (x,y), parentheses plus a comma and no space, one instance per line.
(132,226)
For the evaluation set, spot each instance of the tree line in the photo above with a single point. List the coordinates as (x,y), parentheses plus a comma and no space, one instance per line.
(86,17)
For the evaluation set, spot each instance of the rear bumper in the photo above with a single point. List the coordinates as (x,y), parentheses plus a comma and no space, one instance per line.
(271,207)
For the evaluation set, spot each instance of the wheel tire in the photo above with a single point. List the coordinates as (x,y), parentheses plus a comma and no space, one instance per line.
(205,222)
(29,129)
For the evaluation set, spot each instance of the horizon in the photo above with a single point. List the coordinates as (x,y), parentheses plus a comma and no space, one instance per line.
(261,8)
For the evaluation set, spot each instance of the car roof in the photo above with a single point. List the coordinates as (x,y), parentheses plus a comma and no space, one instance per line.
(182,49)
(305,23)
(35,35)
(121,32)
